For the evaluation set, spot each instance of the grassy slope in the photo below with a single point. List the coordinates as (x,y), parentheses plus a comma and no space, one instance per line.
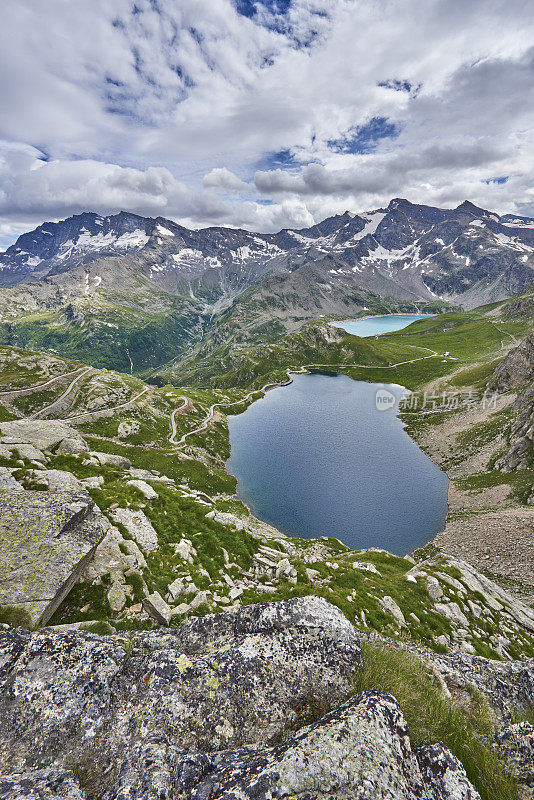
(341,578)
(470,338)
(202,467)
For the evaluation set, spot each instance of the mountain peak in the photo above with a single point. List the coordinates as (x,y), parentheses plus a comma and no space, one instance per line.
(467,205)
(397,202)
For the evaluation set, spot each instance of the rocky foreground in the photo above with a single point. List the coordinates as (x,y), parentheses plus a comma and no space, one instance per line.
(213,709)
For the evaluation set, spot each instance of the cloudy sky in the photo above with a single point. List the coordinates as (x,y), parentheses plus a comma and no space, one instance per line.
(262,114)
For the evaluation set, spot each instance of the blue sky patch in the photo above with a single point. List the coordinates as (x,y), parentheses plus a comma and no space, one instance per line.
(281,159)
(401,86)
(249,8)
(501,179)
(365,138)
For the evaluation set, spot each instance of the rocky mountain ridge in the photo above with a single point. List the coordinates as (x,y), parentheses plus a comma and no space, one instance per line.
(405,250)
(138,274)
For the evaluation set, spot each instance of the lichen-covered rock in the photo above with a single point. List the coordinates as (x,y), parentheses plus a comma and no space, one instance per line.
(145,489)
(116,596)
(43,784)
(443,775)
(46,540)
(111,459)
(361,750)
(517,741)
(158,609)
(57,480)
(109,557)
(220,680)
(139,526)
(7,481)
(42,434)
(388,605)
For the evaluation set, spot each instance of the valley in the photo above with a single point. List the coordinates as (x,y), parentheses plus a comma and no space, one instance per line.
(120,526)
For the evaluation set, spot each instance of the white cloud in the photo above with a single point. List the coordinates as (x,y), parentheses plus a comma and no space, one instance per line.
(177,107)
(223,178)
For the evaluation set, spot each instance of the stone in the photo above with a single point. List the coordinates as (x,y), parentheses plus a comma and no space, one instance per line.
(145,489)
(453,612)
(367,566)
(139,526)
(116,596)
(180,610)
(158,609)
(235,592)
(109,557)
(467,647)
(46,540)
(42,784)
(111,459)
(433,587)
(56,480)
(228,519)
(202,598)
(128,427)
(444,775)
(176,588)
(41,434)
(7,481)
(26,451)
(148,475)
(72,447)
(312,575)
(222,680)
(94,482)
(388,605)
(286,571)
(517,742)
(359,750)
(185,550)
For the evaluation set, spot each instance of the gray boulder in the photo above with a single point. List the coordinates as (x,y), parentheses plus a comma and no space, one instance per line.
(158,609)
(443,775)
(359,750)
(42,434)
(220,680)
(7,481)
(43,784)
(517,741)
(46,540)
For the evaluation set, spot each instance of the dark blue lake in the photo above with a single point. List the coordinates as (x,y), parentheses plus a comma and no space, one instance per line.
(317,458)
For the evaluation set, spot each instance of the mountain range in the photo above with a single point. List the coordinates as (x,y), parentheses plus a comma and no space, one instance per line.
(144,276)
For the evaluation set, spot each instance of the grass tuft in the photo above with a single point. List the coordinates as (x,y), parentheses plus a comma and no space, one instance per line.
(432,717)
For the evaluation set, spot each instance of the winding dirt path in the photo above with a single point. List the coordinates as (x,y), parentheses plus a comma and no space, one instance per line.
(69,389)
(205,423)
(172,437)
(30,389)
(113,408)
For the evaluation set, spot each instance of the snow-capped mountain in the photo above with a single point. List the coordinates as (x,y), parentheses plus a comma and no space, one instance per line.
(412,252)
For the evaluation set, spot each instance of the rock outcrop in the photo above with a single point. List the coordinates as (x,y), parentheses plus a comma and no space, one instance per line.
(516,372)
(516,369)
(32,437)
(204,711)
(46,541)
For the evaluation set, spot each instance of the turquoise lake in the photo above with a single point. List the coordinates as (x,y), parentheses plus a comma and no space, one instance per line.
(374,326)
(317,458)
